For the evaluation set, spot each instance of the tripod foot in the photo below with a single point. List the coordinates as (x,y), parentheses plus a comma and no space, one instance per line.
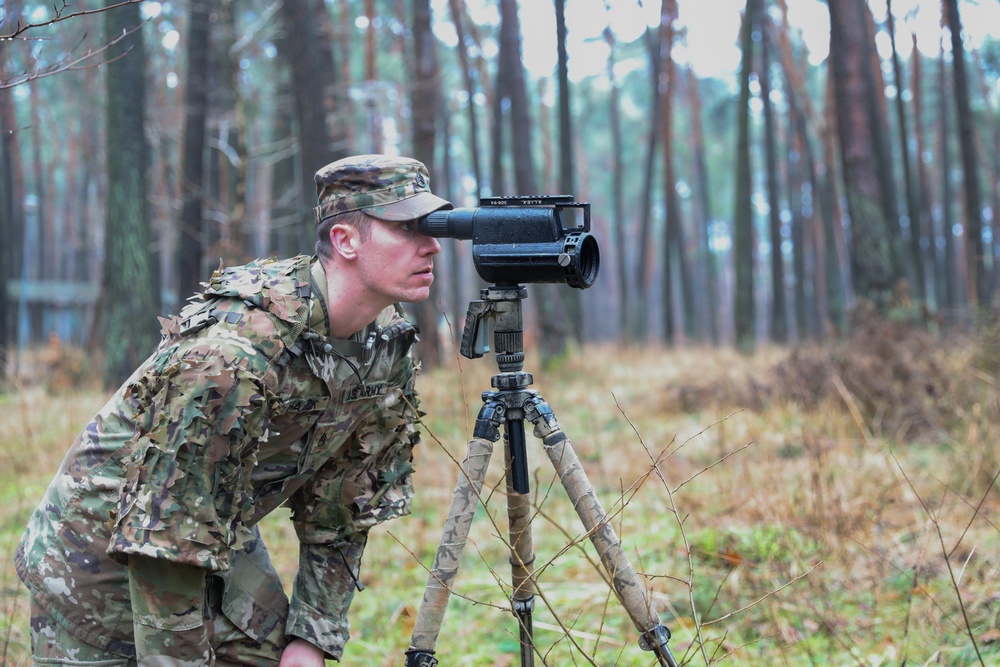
(420,659)
(655,639)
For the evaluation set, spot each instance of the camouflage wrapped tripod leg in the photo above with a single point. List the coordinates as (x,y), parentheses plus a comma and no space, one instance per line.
(627,584)
(449,554)
(522,564)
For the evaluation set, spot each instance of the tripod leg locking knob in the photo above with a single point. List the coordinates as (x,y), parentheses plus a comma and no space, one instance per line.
(491,418)
(538,412)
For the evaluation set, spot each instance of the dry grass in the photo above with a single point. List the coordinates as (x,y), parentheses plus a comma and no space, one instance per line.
(826,506)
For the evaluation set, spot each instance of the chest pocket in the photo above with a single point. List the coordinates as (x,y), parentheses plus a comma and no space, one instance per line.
(295,417)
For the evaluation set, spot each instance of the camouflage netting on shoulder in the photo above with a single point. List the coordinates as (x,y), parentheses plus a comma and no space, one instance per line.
(281,289)
(203,405)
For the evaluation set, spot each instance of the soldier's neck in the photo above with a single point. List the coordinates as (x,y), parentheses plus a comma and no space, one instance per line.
(350,311)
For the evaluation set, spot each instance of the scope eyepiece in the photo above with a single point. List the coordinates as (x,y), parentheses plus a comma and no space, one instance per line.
(444,225)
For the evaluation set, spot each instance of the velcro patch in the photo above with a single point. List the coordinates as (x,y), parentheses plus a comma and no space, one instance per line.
(364,392)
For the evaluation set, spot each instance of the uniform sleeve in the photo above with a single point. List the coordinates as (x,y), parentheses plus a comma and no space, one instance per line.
(368,482)
(187,492)
(328,577)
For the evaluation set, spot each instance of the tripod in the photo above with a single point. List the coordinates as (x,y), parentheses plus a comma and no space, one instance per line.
(508,407)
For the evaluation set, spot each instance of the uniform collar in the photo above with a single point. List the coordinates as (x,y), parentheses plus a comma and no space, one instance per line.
(319,316)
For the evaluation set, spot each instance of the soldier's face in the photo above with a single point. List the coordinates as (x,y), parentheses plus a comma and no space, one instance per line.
(396,262)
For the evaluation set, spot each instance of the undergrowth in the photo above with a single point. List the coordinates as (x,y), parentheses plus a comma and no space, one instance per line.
(823,505)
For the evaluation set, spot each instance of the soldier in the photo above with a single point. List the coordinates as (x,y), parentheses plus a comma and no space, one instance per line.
(285,382)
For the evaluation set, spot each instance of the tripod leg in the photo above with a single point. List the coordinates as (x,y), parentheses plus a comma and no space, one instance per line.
(449,554)
(522,560)
(627,584)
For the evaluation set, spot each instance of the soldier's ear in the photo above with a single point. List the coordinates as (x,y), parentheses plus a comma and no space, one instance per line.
(344,240)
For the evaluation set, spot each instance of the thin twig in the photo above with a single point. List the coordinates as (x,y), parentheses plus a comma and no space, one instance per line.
(852,407)
(947,487)
(680,525)
(975,513)
(60,16)
(745,644)
(451,591)
(712,465)
(947,562)
(763,597)
(927,592)
(68,65)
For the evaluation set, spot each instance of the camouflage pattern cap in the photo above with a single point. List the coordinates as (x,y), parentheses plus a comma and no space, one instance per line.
(385,187)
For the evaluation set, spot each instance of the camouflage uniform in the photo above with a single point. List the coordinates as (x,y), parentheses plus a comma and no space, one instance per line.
(245,405)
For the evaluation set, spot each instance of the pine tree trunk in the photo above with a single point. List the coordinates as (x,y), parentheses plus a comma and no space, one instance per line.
(550,312)
(912,206)
(803,242)
(924,222)
(980,283)
(457,18)
(874,260)
(990,157)
(286,199)
(131,300)
(312,75)
(818,226)
(425,105)
(191,228)
(11,217)
(743,241)
(949,286)
(572,299)
(675,264)
(233,134)
(639,328)
(708,281)
(617,196)
(779,310)
(839,288)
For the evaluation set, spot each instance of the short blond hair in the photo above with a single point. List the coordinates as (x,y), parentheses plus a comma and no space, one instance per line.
(357,219)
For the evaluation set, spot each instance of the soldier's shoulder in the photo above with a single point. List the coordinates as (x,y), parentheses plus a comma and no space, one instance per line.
(264,304)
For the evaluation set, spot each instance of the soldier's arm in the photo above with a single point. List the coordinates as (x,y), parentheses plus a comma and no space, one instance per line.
(324,587)
(367,483)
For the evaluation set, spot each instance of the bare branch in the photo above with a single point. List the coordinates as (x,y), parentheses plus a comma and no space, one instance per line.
(945,553)
(60,16)
(763,597)
(672,506)
(67,64)
(712,465)
(975,513)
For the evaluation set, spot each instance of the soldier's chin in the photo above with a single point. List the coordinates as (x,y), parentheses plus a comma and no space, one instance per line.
(417,294)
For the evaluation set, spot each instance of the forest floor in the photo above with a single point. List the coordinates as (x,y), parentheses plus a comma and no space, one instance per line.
(833,505)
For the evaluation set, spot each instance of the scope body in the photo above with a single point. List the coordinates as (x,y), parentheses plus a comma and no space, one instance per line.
(523,240)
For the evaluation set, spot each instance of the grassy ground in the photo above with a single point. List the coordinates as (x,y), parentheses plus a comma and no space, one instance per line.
(834,506)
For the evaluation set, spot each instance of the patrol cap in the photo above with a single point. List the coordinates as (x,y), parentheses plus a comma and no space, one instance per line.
(385,187)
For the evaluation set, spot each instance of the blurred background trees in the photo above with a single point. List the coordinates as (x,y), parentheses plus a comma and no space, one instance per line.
(762,205)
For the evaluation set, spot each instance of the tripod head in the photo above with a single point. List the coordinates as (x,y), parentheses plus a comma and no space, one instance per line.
(501,305)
